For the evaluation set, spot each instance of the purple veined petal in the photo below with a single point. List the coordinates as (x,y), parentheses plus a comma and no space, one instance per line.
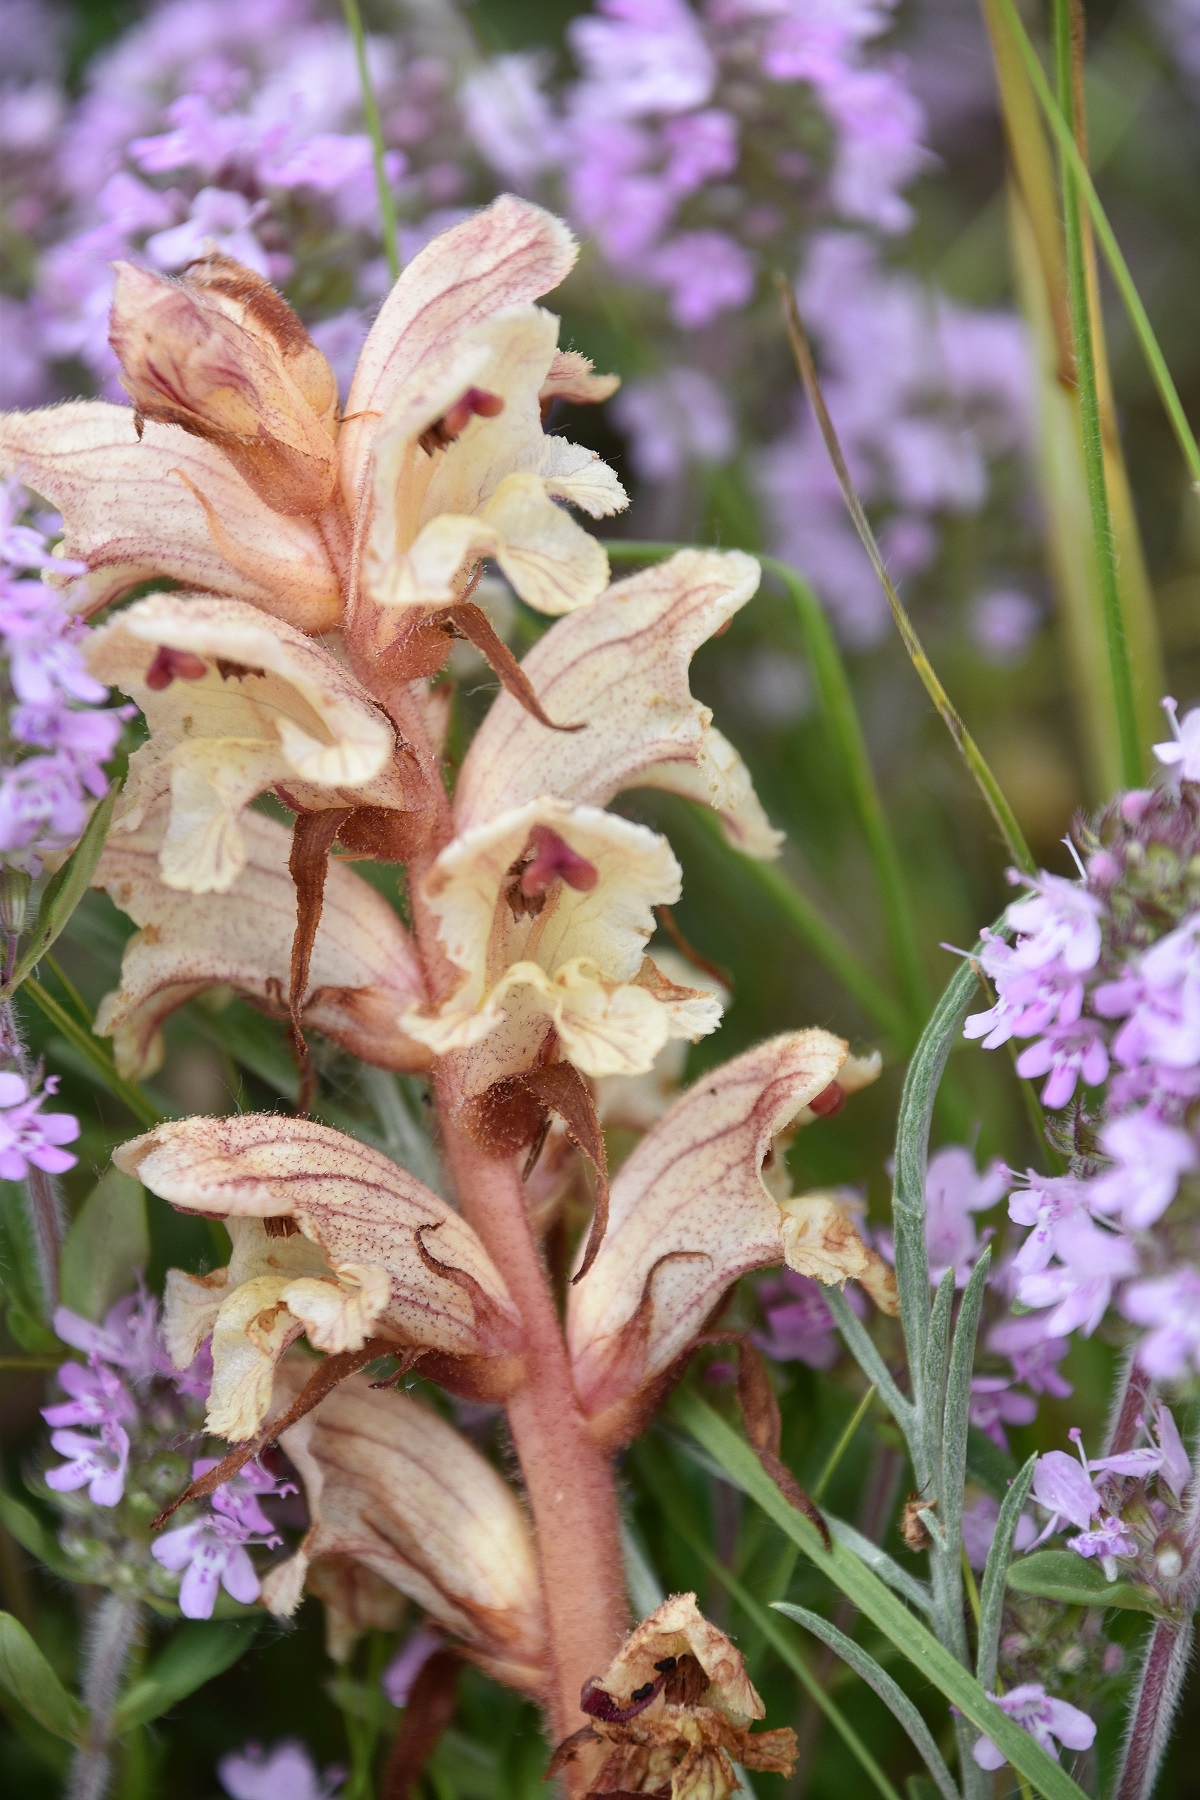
(198,1589)
(54,1162)
(1176,1468)
(80,1333)
(1129,1462)
(67,1477)
(1070,1726)
(987,1755)
(175,1549)
(1061,1485)
(238,1577)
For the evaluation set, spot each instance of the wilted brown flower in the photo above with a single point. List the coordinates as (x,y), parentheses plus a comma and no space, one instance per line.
(672,1714)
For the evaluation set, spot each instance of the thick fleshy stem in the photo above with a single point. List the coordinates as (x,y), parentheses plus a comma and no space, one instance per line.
(111,1637)
(569,1481)
(43,1204)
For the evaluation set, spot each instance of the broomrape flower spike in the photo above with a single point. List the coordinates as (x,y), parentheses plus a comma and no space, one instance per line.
(233,475)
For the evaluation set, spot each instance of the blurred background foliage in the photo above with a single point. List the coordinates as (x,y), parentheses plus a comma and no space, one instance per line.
(1145,146)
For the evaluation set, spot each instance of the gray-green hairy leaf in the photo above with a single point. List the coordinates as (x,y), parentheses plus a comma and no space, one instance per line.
(883,1684)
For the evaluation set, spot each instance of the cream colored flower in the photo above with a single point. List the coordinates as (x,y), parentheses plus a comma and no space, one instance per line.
(232,473)
(238,704)
(492,490)
(547,911)
(620,667)
(374,1254)
(393,1487)
(693,1208)
(363,974)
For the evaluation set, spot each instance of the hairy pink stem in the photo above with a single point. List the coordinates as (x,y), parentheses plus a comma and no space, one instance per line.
(570,1484)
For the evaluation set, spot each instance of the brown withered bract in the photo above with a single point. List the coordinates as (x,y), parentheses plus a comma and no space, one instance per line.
(672,1715)
(913,1528)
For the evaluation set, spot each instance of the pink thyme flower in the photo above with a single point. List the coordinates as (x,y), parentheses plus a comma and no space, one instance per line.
(211,1551)
(1182,749)
(1044,1718)
(96,1462)
(285,1773)
(28,1136)
(954,1191)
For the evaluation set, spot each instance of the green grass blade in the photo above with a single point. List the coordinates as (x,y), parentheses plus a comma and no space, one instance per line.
(881,1606)
(143,1109)
(387,201)
(844,1441)
(1120,672)
(967,748)
(881,1683)
(837,699)
(1126,287)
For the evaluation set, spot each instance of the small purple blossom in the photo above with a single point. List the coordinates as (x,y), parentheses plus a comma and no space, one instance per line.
(398,1678)
(98,1397)
(954,1191)
(211,1551)
(979,1528)
(28,1136)
(799,1324)
(1170,1307)
(1063,1486)
(994,1404)
(96,1462)
(1051,1722)
(128,1339)
(287,1772)
(1182,749)
(1150,1157)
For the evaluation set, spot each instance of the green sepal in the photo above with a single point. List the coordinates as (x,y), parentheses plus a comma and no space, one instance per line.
(28,1678)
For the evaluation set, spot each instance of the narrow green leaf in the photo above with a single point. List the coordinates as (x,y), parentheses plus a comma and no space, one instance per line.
(964,743)
(908,1197)
(1120,673)
(954,1426)
(883,1684)
(108,1243)
(95,1054)
(991,1598)
(1138,316)
(23,1524)
(28,1677)
(908,1586)
(1075,1581)
(370,105)
(837,698)
(65,890)
(859,1342)
(881,1606)
(196,1654)
(937,1350)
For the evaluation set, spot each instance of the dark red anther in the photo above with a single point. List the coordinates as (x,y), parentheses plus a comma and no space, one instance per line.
(168,664)
(829,1101)
(475,403)
(554,860)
